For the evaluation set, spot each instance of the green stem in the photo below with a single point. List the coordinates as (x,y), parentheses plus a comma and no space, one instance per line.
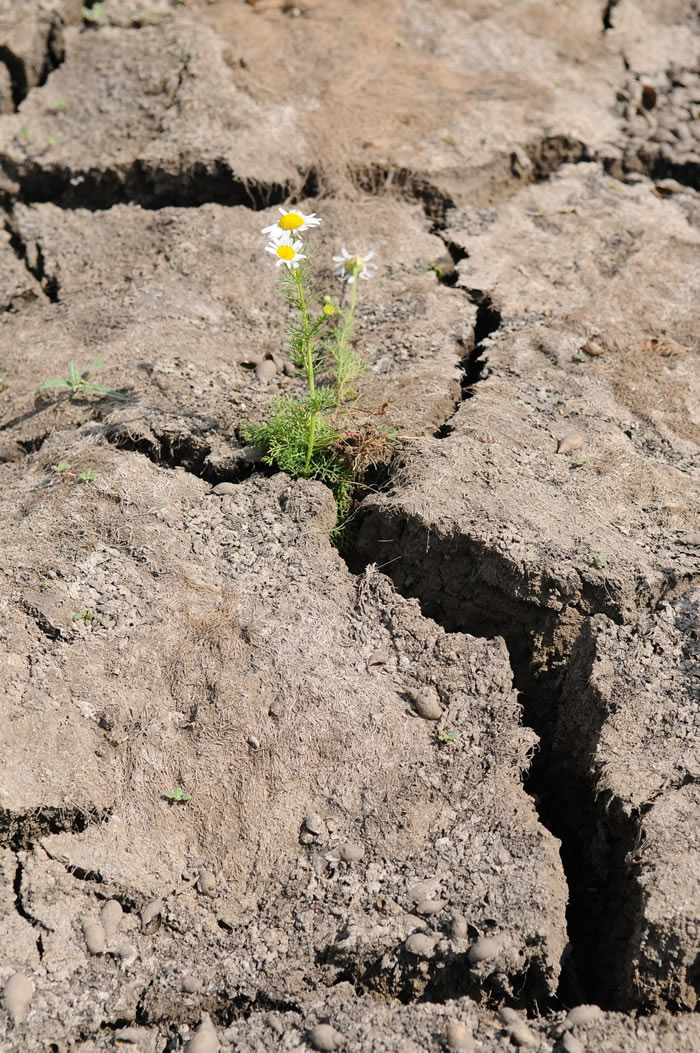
(308,360)
(307,355)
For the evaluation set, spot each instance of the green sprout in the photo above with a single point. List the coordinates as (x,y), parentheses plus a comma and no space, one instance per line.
(580,461)
(61,468)
(600,561)
(84,616)
(79,383)
(3,381)
(87,477)
(58,105)
(178,795)
(445,737)
(93,15)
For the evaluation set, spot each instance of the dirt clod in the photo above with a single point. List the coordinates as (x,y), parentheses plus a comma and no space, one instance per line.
(17,995)
(325,1037)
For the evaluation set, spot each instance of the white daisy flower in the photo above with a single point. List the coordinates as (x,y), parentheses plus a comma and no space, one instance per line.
(286,249)
(291,221)
(354,266)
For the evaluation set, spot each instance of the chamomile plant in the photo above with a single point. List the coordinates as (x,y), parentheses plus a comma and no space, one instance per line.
(306,436)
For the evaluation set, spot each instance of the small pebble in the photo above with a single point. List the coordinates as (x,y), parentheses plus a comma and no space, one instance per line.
(483,950)
(325,1037)
(569,442)
(377,659)
(132,1036)
(426,703)
(592,349)
(430,906)
(584,1015)
(206,883)
(205,1038)
(16,996)
(509,1016)
(521,1034)
(313,823)
(224,488)
(425,889)
(460,929)
(570,1044)
(95,939)
(126,951)
(458,1036)
(191,984)
(151,916)
(265,370)
(111,916)
(351,852)
(420,944)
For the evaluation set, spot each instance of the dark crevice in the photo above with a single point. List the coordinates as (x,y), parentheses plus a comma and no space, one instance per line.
(407,184)
(37,269)
(21,830)
(22,910)
(607,14)
(186,450)
(655,164)
(161,1007)
(548,154)
(452,578)
(145,185)
(18,74)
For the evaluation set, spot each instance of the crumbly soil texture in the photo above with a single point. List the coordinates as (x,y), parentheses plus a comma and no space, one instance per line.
(437,788)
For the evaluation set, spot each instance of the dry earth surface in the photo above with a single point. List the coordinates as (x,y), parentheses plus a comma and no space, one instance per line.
(443,790)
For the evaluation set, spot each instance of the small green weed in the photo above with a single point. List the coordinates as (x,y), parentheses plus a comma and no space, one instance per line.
(600,561)
(85,616)
(58,105)
(61,468)
(580,461)
(79,383)
(445,737)
(178,795)
(94,15)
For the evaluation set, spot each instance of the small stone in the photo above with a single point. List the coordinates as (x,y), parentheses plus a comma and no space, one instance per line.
(151,916)
(584,1015)
(191,984)
(425,889)
(266,370)
(569,442)
(351,852)
(460,929)
(325,1037)
(377,659)
(95,939)
(132,1036)
(16,996)
(111,916)
(509,1016)
(521,1034)
(420,944)
(313,823)
(125,951)
(458,1036)
(592,349)
(205,1038)
(483,950)
(426,703)
(224,488)
(570,1044)
(430,906)
(206,883)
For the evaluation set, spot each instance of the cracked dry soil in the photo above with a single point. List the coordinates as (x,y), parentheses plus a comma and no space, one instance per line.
(522,869)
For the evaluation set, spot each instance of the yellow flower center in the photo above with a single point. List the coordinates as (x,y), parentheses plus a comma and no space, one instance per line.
(285,252)
(291,221)
(354,264)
